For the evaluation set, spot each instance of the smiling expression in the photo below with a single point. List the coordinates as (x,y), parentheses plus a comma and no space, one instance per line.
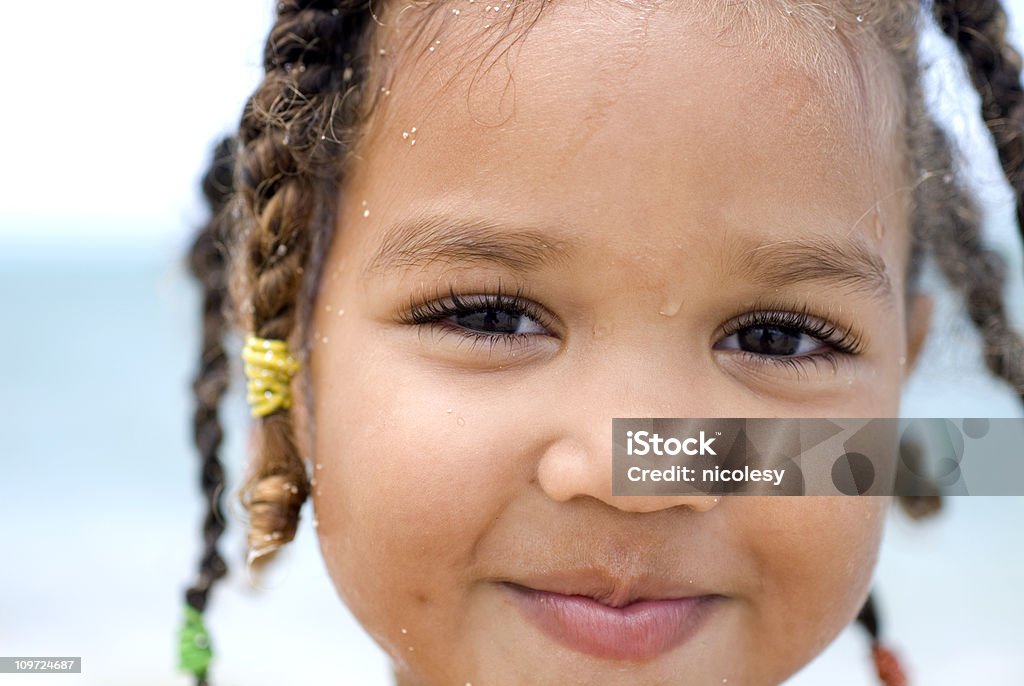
(656,219)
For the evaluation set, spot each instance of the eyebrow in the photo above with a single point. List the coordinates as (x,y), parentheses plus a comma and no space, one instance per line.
(846,263)
(427,239)
(423,240)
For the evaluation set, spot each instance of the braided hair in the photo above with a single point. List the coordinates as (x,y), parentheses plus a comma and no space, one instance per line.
(273,192)
(287,175)
(207,263)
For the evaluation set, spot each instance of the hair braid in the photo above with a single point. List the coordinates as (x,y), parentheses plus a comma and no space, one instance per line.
(208,264)
(887,665)
(979,273)
(978,28)
(288,172)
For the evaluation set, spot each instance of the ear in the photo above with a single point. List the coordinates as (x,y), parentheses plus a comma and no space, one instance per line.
(919,318)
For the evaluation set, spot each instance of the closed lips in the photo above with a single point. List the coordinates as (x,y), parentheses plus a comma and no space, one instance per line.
(639,630)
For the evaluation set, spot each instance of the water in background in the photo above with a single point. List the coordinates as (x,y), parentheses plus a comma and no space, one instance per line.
(100,514)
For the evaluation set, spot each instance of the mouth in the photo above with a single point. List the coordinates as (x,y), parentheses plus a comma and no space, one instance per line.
(620,625)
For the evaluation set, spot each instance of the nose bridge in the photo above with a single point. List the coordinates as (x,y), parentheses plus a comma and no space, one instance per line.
(641,378)
(577,461)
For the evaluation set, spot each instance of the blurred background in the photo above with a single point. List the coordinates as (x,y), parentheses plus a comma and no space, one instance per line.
(110,115)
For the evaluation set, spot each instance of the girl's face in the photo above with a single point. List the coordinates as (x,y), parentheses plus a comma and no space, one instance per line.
(626,213)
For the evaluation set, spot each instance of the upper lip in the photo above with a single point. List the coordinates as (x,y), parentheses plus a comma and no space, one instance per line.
(609,588)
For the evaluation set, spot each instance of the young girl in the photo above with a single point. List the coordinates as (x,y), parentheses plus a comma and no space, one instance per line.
(461,237)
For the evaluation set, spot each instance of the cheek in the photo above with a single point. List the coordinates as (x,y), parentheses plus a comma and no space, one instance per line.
(816,556)
(408,480)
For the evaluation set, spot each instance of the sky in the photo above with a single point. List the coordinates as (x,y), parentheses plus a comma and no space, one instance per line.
(110,114)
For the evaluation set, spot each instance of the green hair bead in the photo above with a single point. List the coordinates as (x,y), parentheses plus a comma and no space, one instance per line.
(194,644)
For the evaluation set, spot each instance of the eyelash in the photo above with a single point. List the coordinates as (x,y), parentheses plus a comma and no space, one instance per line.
(844,341)
(432,312)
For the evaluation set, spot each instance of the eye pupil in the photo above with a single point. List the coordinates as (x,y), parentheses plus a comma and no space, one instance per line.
(770,340)
(489,320)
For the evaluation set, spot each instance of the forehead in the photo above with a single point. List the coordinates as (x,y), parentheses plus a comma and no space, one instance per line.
(672,108)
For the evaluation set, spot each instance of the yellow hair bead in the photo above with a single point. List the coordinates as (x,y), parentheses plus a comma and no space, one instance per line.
(270,368)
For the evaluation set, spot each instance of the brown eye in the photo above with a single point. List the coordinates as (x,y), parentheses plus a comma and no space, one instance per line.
(785,336)
(483,315)
(493,321)
(771,340)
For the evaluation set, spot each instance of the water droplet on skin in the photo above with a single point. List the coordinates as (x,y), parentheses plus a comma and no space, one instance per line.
(366,213)
(412,142)
(341,312)
(879,226)
(831,23)
(410,649)
(282,250)
(319,467)
(448,411)
(671,308)
(460,421)
(324,339)
(405,135)
(691,581)
(404,631)
(860,18)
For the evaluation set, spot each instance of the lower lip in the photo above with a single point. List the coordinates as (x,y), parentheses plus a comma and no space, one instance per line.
(637,632)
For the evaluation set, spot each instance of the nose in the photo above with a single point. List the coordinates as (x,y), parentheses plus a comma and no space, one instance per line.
(571,468)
